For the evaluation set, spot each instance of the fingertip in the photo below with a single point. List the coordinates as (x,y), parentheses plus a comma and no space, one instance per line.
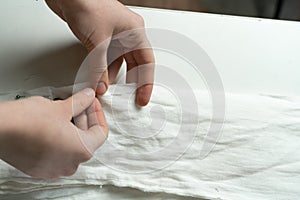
(143,95)
(141,101)
(101,88)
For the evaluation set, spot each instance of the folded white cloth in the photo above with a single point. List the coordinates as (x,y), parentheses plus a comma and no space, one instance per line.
(256,157)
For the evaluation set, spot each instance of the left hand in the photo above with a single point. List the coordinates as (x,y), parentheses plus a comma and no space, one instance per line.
(38,137)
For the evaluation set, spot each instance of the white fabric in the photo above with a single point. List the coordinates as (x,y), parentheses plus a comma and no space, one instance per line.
(256,157)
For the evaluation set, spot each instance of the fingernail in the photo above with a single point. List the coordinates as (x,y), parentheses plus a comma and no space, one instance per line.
(141,101)
(101,89)
(89,92)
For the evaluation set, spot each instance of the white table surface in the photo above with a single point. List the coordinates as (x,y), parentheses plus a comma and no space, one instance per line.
(251,55)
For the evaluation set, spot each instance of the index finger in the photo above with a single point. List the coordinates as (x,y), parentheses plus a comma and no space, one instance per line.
(145,70)
(97,131)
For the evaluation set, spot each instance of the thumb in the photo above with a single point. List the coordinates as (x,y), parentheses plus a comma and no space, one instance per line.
(80,101)
(103,83)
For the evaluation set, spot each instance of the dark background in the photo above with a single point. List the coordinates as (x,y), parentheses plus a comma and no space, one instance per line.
(275,9)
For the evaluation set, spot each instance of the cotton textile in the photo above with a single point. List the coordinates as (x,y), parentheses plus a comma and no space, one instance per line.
(257,155)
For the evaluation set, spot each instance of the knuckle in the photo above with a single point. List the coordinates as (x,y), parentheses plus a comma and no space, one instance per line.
(138,20)
(84,155)
(82,104)
(70,171)
(147,62)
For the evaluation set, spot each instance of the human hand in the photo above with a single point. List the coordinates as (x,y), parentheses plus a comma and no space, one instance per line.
(95,22)
(38,137)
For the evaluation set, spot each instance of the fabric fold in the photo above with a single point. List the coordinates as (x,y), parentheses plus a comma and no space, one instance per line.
(256,157)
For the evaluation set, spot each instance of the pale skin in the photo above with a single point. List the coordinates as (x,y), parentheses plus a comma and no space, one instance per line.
(36,134)
(38,137)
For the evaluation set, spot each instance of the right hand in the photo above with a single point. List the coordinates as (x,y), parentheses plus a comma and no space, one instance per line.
(95,22)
